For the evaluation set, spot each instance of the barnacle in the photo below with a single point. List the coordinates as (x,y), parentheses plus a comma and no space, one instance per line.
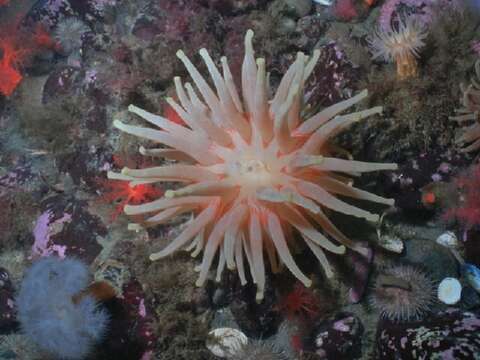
(254,170)
(400,45)
(469,113)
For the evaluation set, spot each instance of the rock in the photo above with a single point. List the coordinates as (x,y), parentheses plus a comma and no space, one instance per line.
(8,322)
(361,266)
(224,342)
(291,8)
(255,319)
(286,26)
(448,239)
(61,82)
(113,272)
(130,332)
(302,7)
(436,259)
(339,337)
(234,7)
(452,334)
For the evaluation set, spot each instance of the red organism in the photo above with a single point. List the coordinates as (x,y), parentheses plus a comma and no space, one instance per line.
(43,39)
(345,10)
(11,56)
(172,115)
(121,193)
(4,2)
(296,343)
(467,210)
(17,47)
(10,79)
(299,303)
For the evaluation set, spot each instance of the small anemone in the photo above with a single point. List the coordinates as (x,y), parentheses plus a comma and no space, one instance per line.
(400,45)
(259,350)
(403,293)
(69,34)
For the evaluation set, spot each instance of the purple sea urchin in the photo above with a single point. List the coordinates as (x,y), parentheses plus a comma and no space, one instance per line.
(403,293)
(254,169)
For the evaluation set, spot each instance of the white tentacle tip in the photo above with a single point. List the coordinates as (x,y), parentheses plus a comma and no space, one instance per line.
(156,256)
(180,54)
(135,227)
(118,124)
(169,194)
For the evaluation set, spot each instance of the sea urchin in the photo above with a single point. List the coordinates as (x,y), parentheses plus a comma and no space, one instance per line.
(403,293)
(254,170)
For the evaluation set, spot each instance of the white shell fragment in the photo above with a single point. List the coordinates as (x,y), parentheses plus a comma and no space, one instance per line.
(448,239)
(324,2)
(224,342)
(449,291)
(391,243)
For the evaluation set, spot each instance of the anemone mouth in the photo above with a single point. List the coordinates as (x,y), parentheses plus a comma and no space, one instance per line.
(253,170)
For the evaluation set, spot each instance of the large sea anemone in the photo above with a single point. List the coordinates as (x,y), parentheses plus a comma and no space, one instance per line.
(254,169)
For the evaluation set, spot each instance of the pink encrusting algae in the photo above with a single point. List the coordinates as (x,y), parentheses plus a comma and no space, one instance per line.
(254,170)
(44,229)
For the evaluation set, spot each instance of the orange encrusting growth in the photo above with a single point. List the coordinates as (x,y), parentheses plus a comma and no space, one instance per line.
(16,47)
(8,73)
(247,179)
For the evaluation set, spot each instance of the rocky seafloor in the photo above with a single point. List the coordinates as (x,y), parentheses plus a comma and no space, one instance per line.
(68,68)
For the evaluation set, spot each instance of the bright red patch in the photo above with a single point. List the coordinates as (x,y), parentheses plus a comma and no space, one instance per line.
(121,193)
(16,47)
(172,115)
(10,79)
(43,39)
(300,302)
(429,198)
